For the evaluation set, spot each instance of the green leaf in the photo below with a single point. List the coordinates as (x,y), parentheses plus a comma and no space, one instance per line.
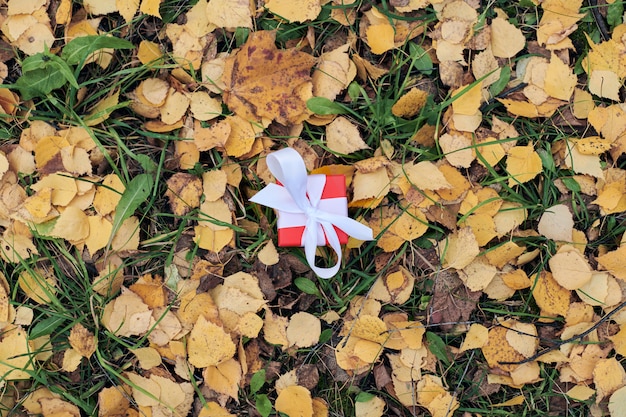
(546,160)
(257,381)
(421,59)
(39,82)
(137,191)
(46,326)
(614,13)
(263,405)
(323,106)
(326,335)
(307,286)
(364,397)
(437,347)
(78,49)
(571,184)
(499,86)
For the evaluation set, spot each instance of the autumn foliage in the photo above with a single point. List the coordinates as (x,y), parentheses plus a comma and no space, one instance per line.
(224,322)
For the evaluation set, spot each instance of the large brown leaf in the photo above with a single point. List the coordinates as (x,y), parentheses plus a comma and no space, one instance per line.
(263,81)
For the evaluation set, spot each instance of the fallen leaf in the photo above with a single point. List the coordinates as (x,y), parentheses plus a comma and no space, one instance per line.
(224,378)
(570,268)
(82,340)
(263,81)
(208,344)
(295,401)
(343,137)
(523,164)
(304,330)
(229,14)
(295,12)
(557,223)
(506,39)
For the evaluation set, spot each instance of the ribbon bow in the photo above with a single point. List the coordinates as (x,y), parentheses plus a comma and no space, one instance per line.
(301,194)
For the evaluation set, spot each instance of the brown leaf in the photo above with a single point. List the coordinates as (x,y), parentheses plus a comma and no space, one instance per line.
(451,301)
(265,82)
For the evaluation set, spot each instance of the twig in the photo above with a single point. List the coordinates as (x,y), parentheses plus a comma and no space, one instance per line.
(570,340)
(597,16)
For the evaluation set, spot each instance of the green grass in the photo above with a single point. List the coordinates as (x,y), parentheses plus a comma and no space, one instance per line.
(144,160)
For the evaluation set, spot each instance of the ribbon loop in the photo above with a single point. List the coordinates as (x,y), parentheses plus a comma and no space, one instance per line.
(302,194)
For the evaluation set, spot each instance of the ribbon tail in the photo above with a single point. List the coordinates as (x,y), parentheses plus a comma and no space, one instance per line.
(310,246)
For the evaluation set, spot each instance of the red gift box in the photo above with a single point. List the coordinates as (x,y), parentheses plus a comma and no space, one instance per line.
(333,200)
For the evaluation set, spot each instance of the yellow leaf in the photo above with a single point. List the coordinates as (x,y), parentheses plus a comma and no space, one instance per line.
(380,38)
(369,188)
(343,137)
(499,350)
(295,11)
(478,274)
(557,223)
(475,338)
(230,14)
(108,195)
(458,150)
(333,73)
(467,102)
(55,407)
(148,52)
(71,360)
(608,376)
(569,268)
(101,111)
(304,330)
(241,136)
(616,401)
(268,255)
(213,409)
(522,337)
(127,237)
(16,361)
(550,296)
(224,378)
(150,7)
(459,249)
(506,39)
(127,315)
(523,164)
(72,225)
(580,393)
(213,240)
(275,329)
(614,262)
(82,340)
(265,82)
(175,107)
(373,407)
(38,284)
(295,401)
(208,344)
(214,184)
(395,287)
(148,357)
(560,81)
(410,104)
(127,8)
(183,192)
(113,401)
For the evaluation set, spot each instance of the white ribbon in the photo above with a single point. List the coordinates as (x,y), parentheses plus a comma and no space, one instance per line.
(301,194)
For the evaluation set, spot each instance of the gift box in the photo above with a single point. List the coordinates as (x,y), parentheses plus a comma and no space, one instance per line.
(312,209)
(333,200)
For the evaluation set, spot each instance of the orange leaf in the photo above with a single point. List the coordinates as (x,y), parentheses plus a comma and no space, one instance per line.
(265,82)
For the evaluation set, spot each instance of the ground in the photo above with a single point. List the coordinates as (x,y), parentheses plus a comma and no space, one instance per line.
(477,147)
